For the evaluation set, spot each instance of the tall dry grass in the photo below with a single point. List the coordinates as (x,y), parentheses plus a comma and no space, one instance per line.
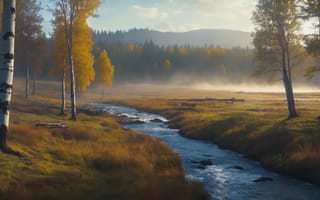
(93,158)
(258,127)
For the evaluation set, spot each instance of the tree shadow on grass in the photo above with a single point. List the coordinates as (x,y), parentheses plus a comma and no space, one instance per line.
(8,150)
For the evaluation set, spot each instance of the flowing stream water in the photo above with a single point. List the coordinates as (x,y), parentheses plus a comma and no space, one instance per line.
(225,174)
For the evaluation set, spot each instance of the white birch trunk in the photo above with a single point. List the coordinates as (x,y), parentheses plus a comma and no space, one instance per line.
(7,66)
(63,92)
(69,39)
(67,9)
(72,78)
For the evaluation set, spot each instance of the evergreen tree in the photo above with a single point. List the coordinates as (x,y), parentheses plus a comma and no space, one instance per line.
(29,36)
(310,10)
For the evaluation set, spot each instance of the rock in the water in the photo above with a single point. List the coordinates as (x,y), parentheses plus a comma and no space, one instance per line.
(201,167)
(263,179)
(206,162)
(122,119)
(136,121)
(156,120)
(238,167)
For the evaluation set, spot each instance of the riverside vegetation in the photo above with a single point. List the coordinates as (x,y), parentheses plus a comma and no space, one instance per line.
(94,158)
(257,127)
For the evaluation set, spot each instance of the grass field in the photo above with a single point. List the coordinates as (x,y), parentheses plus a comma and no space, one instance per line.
(257,127)
(94,158)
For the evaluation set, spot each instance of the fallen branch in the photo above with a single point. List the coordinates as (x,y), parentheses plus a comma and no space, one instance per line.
(210,99)
(51,125)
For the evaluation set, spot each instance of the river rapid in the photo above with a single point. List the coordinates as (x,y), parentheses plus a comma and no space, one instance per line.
(225,174)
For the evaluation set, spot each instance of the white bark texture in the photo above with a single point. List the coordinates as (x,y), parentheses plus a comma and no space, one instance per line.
(6,65)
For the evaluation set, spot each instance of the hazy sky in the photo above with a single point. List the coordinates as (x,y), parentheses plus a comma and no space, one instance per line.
(171,15)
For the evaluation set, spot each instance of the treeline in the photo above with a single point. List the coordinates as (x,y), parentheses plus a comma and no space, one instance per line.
(151,62)
(200,37)
(74,49)
(135,62)
(154,63)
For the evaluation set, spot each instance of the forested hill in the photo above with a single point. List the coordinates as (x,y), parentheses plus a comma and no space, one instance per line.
(200,38)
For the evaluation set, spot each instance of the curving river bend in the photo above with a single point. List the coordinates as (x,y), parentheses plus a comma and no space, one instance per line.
(225,174)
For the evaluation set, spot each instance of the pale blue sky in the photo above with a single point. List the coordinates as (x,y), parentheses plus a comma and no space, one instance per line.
(170,15)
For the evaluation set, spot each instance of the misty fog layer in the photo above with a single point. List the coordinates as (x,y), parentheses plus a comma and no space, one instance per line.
(140,58)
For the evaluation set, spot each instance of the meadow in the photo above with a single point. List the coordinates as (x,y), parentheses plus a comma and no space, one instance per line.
(256,127)
(93,158)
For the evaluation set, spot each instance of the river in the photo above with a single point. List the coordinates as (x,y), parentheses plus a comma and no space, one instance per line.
(225,174)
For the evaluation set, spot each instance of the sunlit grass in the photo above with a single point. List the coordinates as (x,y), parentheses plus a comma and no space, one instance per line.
(257,127)
(93,158)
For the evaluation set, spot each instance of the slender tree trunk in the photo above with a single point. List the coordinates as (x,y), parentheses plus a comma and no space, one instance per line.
(78,94)
(69,39)
(287,82)
(27,74)
(292,112)
(34,83)
(7,66)
(63,92)
(289,95)
(72,87)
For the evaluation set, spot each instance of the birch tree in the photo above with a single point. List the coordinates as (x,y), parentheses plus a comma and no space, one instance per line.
(83,58)
(59,58)
(276,40)
(7,67)
(68,11)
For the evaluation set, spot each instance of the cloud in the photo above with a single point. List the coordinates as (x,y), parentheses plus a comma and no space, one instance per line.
(234,14)
(230,9)
(149,12)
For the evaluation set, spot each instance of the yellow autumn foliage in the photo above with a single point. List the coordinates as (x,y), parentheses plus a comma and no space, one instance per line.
(105,69)
(82,44)
(167,64)
(183,52)
(130,48)
(82,55)
(215,51)
(134,49)
(171,50)
(59,54)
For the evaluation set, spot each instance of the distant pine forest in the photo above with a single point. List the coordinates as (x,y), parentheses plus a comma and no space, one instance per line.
(138,58)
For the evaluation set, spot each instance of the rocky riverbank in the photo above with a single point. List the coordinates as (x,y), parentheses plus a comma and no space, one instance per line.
(291,147)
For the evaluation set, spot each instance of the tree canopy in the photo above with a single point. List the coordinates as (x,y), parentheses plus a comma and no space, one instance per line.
(277,41)
(72,16)
(105,70)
